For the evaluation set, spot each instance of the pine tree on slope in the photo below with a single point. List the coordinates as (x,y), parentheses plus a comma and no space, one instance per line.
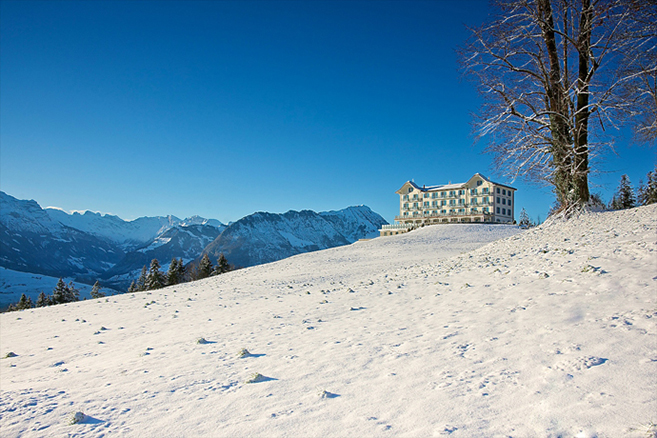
(72,293)
(524,221)
(141,281)
(95,291)
(60,293)
(624,197)
(155,278)
(43,300)
(647,194)
(222,265)
(172,273)
(181,271)
(204,267)
(24,303)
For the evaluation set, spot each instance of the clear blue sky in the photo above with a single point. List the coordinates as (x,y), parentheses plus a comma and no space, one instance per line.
(224,108)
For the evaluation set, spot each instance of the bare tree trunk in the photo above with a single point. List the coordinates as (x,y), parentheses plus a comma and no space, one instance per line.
(557,106)
(582,113)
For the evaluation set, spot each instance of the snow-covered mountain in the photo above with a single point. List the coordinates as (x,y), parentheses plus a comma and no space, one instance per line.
(549,332)
(31,241)
(89,246)
(129,234)
(266,237)
(182,241)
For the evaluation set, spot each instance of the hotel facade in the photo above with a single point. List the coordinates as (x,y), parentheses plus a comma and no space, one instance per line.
(479,200)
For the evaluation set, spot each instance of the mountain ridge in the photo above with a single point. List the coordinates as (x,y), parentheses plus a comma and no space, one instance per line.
(90,245)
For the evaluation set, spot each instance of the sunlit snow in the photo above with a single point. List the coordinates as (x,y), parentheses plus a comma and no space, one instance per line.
(546,332)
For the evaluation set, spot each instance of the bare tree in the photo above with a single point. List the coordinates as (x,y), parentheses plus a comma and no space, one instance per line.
(554,75)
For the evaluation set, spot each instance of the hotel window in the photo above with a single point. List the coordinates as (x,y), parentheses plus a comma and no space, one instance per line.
(498,210)
(509,203)
(443,202)
(461,201)
(498,190)
(485,209)
(426,204)
(473,191)
(504,192)
(461,192)
(480,182)
(473,201)
(443,194)
(452,202)
(434,195)
(485,199)
(443,211)
(504,211)
(498,199)
(503,201)
(485,190)
(406,206)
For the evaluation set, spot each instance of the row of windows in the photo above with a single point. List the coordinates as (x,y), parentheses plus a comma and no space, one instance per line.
(473,201)
(450,194)
(504,201)
(452,211)
(504,211)
(505,192)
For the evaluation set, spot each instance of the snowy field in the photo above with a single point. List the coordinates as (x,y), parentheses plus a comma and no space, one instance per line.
(546,332)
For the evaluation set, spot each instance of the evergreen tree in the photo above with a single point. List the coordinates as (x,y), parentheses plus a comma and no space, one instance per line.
(222,265)
(647,194)
(181,271)
(173,274)
(524,221)
(133,287)
(624,196)
(60,293)
(204,267)
(24,303)
(95,291)
(72,293)
(43,300)
(155,278)
(141,281)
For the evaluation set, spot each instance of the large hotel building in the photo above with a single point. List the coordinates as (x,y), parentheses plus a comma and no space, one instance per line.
(477,200)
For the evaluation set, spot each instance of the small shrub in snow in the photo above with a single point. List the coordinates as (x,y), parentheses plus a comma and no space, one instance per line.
(243,353)
(202,341)
(255,378)
(10,354)
(76,417)
(543,275)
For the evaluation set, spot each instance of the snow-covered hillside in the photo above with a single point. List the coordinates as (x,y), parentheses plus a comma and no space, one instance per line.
(14,283)
(547,332)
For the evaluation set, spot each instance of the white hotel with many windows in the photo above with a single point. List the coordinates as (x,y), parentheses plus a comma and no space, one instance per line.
(477,200)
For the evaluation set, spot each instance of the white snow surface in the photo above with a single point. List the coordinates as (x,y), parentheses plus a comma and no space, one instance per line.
(547,332)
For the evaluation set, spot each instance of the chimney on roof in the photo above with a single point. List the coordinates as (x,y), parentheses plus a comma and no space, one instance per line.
(424,186)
